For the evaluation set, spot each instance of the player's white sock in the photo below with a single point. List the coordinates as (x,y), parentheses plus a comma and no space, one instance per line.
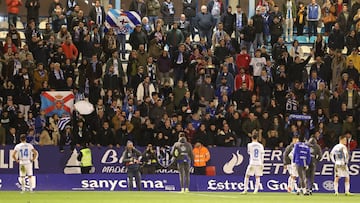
(290,183)
(336,186)
(246,184)
(30,184)
(347,187)
(257,184)
(22,183)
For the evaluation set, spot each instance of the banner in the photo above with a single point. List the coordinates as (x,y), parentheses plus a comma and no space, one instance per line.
(226,160)
(57,102)
(123,22)
(164,182)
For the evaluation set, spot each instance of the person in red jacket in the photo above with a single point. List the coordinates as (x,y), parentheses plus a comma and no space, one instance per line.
(243,59)
(13,10)
(351,143)
(70,50)
(241,78)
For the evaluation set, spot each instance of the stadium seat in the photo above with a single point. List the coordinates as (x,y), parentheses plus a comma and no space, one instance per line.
(322,30)
(42,25)
(4,25)
(326,38)
(312,39)
(302,39)
(22,35)
(210,171)
(306,49)
(3,35)
(19,25)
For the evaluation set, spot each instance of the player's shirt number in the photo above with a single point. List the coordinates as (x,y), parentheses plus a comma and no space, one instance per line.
(24,153)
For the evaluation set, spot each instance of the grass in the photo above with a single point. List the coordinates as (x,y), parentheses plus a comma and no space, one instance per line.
(168,197)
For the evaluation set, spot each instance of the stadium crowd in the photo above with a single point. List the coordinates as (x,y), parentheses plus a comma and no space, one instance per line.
(242,78)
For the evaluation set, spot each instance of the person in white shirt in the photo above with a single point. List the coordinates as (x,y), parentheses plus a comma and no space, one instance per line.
(289,164)
(340,157)
(24,154)
(257,63)
(256,162)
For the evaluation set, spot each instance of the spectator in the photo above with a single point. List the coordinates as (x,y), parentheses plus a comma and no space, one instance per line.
(258,22)
(336,38)
(225,137)
(153,10)
(216,8)
(296,50)
(205,23)
(137,37)
(300,19)
(33,7)
(70,50)
(184,26)
(344,19)
(189,9)
(228,20)
(289,11)
(97,15)
(328,15)
(276,30)
(13,8)
(174,38)
(337,66)
(313,17)
(139,6)
(168,11)
(2,135)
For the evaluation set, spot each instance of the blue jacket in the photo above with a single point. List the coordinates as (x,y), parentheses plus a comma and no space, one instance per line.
(302,155)
(313,12)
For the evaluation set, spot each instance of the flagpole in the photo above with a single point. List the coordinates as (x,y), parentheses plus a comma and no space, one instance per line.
(118,4)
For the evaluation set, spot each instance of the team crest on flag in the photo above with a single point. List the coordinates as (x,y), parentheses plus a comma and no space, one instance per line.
(57,102)
(123,22)
(164,156)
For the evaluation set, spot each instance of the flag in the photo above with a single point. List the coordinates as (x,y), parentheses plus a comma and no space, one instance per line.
(123,22)
(57,102)
(63,122)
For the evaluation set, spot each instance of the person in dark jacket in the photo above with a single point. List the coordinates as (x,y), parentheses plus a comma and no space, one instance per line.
(189,9)
(276,30)
(336,38)
(247,35)
(216,8)
(139,6)
(183,153)
(33,7)
(228,20)
(344,20)
(316,155)
(137,37)
(131,158)
(297,68)
(168,11)
(205,23)
(258,21)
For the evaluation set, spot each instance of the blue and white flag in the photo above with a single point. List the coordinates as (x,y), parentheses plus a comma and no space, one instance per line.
(63,122)
(123,22)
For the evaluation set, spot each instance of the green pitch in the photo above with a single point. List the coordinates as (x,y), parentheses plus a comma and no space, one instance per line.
(169,197)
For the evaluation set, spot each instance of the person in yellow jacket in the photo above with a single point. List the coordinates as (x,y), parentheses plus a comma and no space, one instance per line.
(355,58)
(85,158)
(201,157)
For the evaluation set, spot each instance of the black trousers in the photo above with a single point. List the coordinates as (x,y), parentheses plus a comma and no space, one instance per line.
(131,173)
(184,172)
(200,170)
(310,175)
(85,170)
